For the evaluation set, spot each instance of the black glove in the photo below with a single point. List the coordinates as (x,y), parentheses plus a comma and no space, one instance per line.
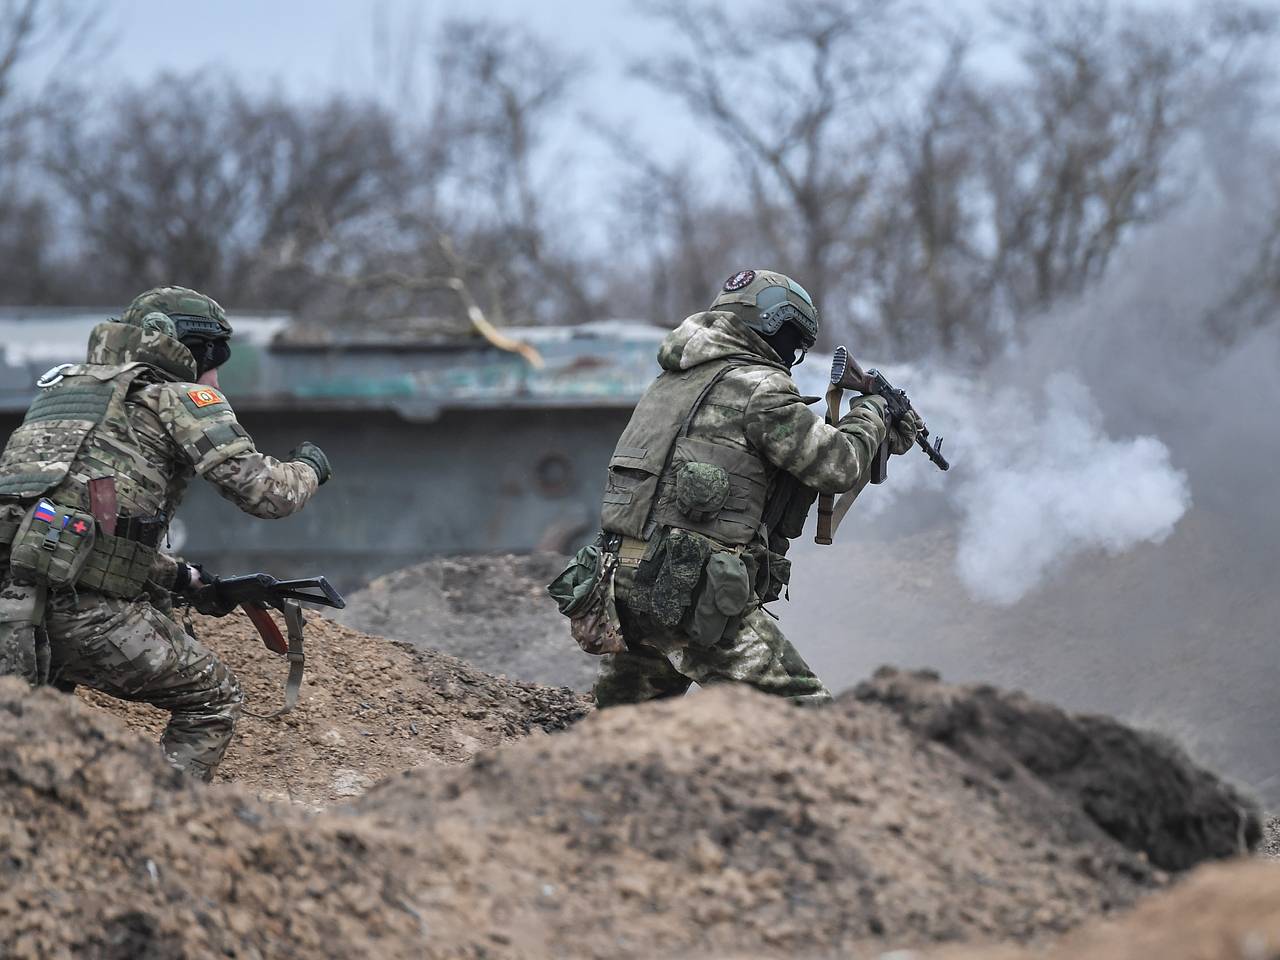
(208,600)
(308,453)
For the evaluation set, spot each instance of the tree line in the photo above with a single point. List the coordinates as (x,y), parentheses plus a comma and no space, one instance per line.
(935,186)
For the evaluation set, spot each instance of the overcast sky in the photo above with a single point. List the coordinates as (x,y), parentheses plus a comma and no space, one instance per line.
(320,47)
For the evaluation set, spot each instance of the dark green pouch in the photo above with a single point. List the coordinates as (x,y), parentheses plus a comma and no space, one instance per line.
(774,576)
(701,490)
(584,594)
(52,545)
(571,590)
(665,582)
(724,598)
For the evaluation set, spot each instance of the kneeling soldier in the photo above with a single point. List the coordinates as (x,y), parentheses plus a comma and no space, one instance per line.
(88,486)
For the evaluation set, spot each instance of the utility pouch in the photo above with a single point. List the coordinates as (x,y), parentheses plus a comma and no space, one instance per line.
(723,600)
(773,577)
(118,567)
(667,582)
(52,545)
(584,593)
(701,490)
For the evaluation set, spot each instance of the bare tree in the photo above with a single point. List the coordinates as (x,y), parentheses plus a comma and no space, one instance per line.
(41,42)
(949,219)
(797,107)
(191,181)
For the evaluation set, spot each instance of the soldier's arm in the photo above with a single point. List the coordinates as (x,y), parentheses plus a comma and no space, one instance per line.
(164,570)
(829,459)
(204,427)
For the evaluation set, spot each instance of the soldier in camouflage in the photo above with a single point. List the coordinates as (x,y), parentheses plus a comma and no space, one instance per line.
(712,478)
(108,449)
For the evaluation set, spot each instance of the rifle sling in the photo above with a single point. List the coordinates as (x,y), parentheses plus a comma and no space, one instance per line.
(270,634)
(826,501)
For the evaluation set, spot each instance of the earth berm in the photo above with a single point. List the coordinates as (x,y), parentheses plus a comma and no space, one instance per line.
(719,824)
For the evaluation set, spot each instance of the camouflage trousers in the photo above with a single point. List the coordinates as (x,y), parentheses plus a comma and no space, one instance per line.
(130,650)
(663,663)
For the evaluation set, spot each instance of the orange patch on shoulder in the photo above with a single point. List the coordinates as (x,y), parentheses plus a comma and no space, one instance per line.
(204,396)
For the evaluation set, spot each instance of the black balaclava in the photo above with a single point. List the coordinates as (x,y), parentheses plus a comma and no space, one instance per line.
(788,343)
(208,352)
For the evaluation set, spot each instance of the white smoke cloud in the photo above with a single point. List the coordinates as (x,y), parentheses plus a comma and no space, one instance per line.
(1036,479)
(1045,488)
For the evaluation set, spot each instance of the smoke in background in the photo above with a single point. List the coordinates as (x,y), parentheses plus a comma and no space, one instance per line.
(1035,481)
(1117,475)
(1094,435)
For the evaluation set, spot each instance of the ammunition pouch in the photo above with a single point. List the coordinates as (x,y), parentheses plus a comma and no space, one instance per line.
(667,579)
(118,567)
(723,599)
(584,592)
(52,545)
(773,577)
(693,584)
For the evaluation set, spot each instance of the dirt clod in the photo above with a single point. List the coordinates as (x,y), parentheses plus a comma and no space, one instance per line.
(1138,786)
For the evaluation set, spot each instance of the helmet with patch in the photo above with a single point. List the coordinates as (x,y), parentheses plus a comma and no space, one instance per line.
(766,300)
(194,315)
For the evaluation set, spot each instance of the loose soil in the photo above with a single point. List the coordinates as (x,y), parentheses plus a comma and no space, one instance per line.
(1228,912)
(369,708)
(911,813)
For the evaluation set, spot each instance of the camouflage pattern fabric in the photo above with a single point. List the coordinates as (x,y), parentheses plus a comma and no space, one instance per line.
(660,662)
(23,652)
(159,432)
(176,301)
(755,410)
(128,649)
(758,409)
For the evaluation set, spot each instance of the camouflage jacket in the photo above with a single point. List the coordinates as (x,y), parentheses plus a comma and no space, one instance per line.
(160,430)
(755,413)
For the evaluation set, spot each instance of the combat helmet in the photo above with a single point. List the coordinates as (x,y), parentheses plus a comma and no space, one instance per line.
(199,322)
(765,301)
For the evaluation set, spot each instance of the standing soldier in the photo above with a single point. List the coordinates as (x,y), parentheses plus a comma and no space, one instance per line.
(712,478)
(88,486)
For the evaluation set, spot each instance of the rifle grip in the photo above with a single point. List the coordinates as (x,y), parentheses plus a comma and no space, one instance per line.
(826,508)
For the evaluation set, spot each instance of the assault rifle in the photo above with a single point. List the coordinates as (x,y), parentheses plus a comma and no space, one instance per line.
(846,374)
(255,593)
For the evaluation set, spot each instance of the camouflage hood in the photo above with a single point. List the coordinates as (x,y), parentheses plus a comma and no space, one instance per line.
(713,335)
(118,344)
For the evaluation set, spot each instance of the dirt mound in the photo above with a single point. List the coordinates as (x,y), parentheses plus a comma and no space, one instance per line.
(721,822)
(369,708)
(438,604)
(1227,912)
(1140,787)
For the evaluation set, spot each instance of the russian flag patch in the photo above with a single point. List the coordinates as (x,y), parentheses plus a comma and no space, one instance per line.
(44,511)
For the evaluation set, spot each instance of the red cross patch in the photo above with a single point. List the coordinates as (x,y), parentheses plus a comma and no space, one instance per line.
(79,527)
